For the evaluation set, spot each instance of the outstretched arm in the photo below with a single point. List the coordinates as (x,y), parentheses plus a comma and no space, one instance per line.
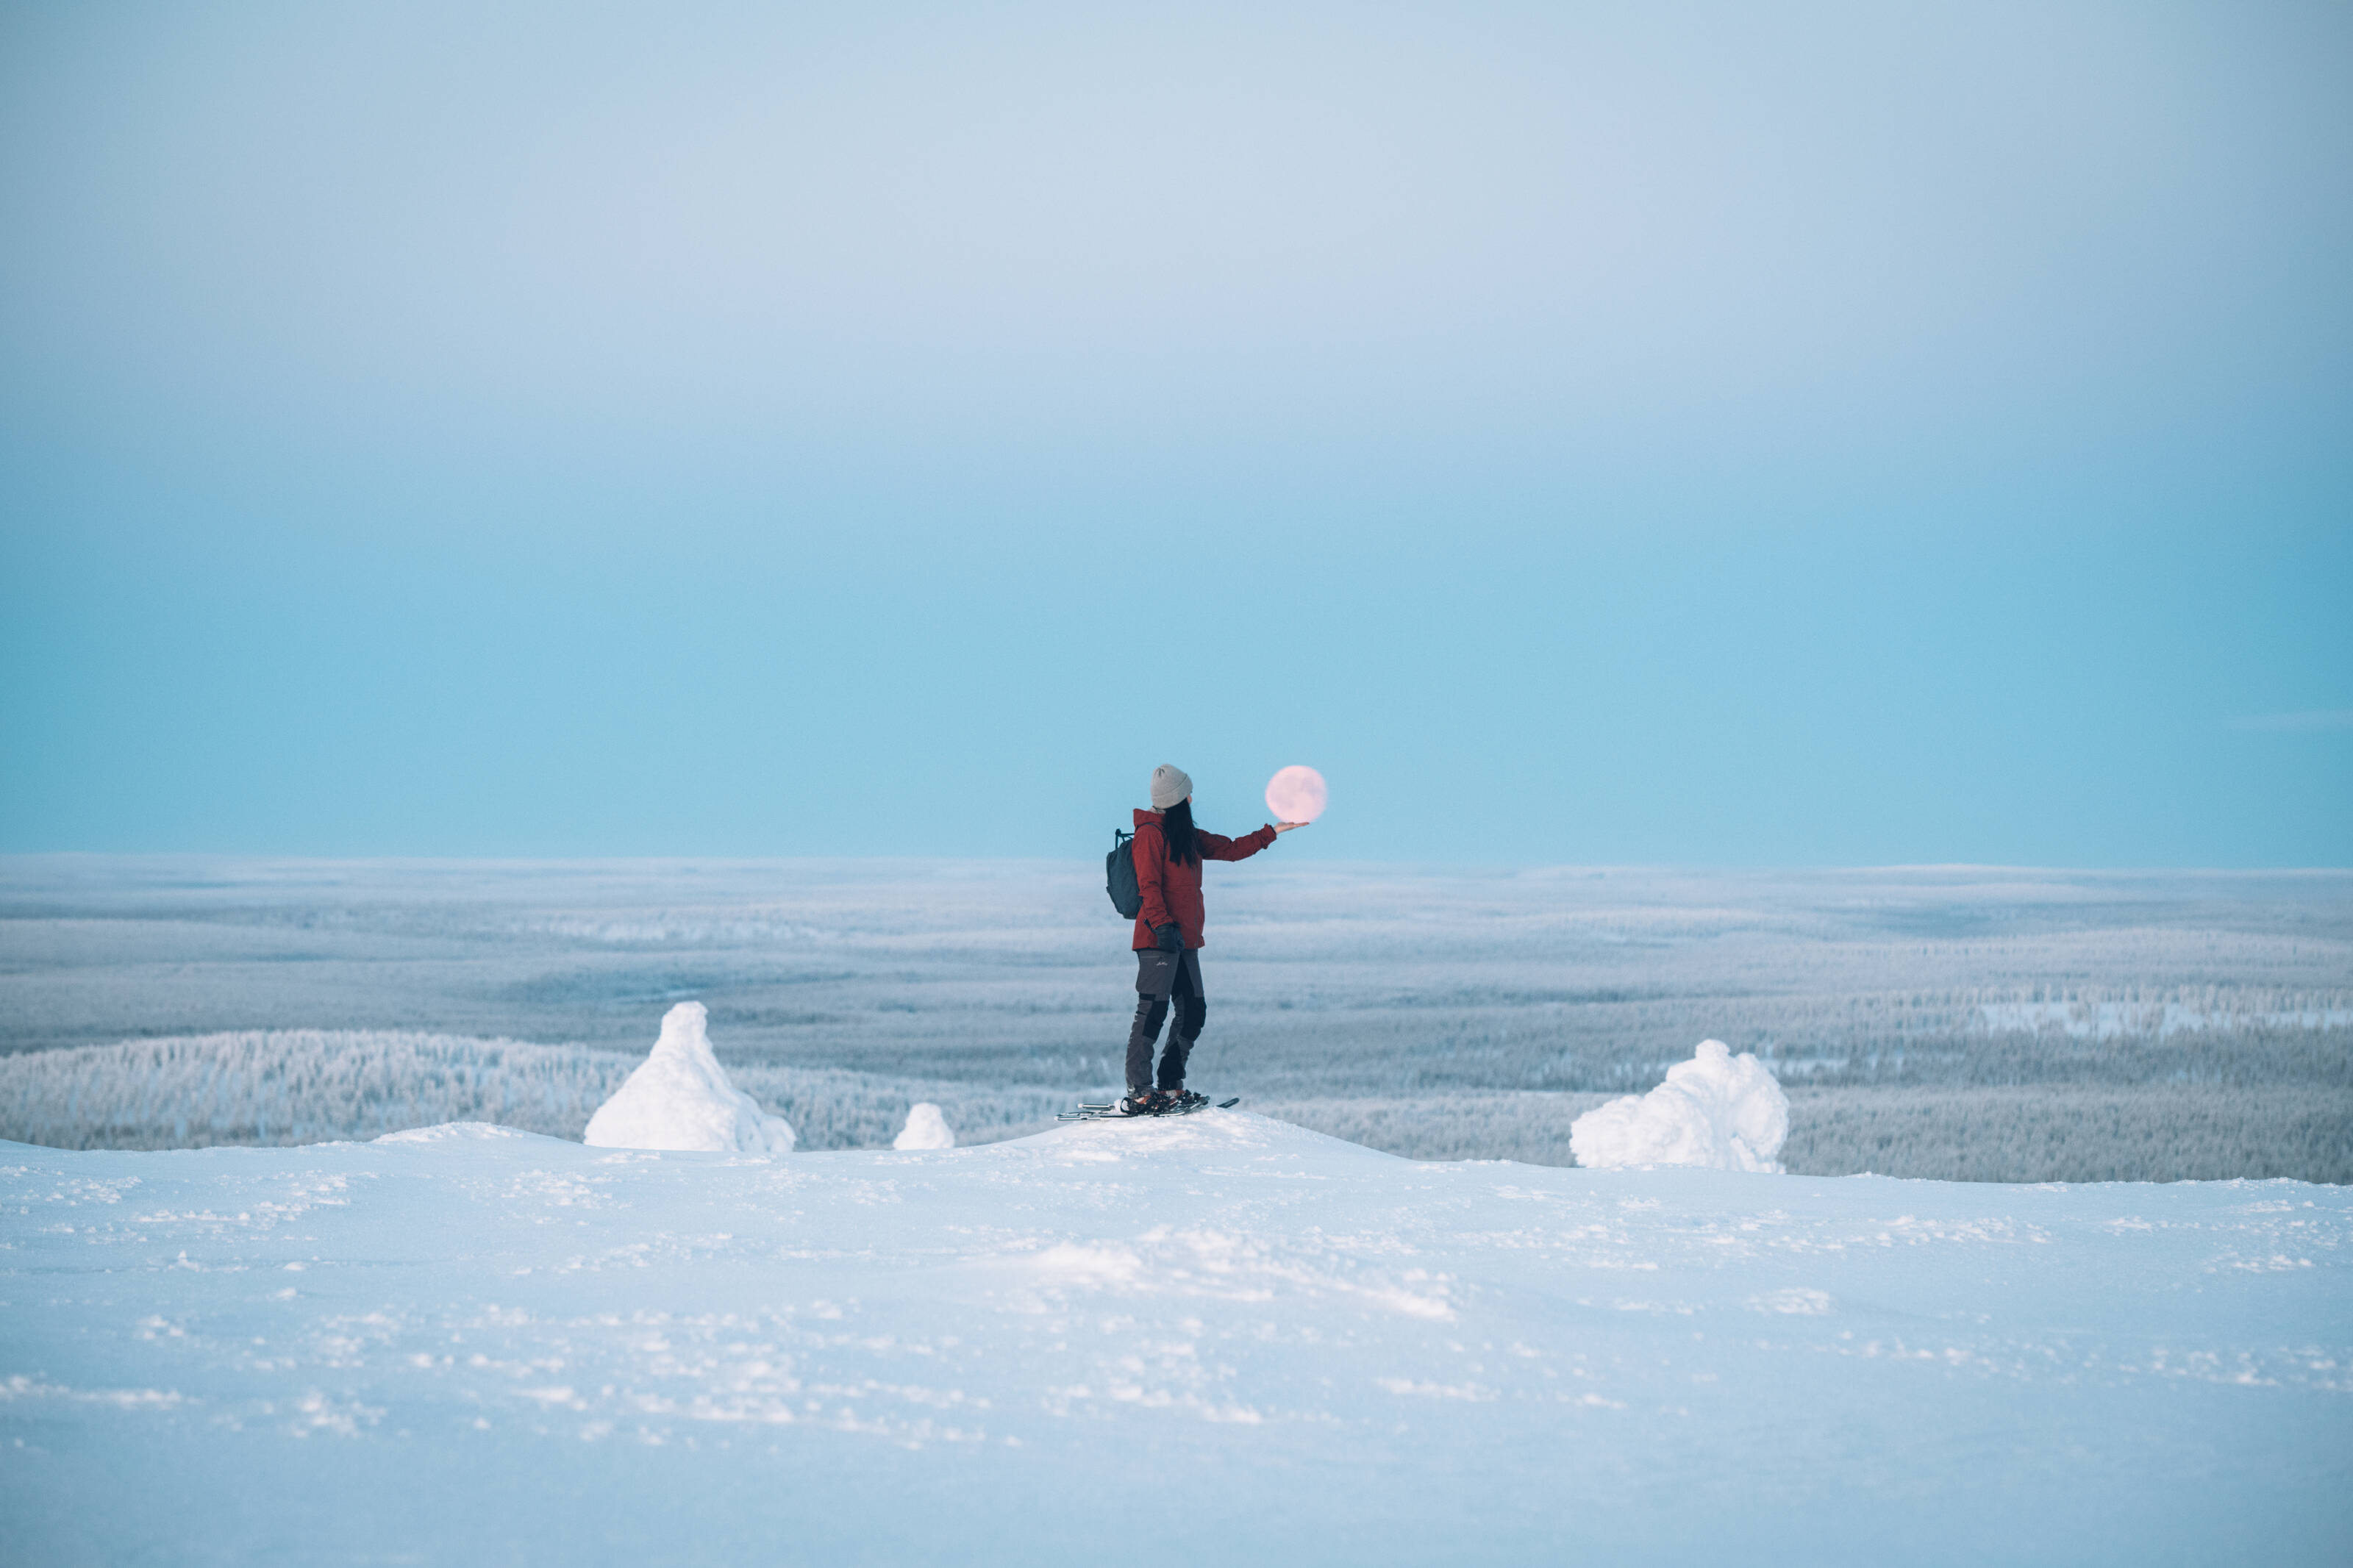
(1217,847)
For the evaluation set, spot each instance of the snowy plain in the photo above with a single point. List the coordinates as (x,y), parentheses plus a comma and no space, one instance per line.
(1982,1023)
(1216,1339)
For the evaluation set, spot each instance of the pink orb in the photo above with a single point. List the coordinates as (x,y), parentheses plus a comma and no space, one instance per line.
(1295,795)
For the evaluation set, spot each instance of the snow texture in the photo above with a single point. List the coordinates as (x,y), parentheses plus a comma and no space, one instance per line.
(470,1346)
(925,1129)
(679,1098)
(1719,1110)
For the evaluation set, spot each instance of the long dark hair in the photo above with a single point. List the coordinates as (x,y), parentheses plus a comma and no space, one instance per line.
(1177,827)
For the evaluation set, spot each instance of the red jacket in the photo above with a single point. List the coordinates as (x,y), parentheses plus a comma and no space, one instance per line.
(1172,892)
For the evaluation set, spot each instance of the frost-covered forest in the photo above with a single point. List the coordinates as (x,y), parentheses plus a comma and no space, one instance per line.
(1967,1023)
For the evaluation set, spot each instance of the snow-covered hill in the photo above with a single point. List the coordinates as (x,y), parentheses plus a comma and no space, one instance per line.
(1220,1338)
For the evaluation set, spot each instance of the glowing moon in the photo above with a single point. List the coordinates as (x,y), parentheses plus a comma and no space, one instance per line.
(1295,795)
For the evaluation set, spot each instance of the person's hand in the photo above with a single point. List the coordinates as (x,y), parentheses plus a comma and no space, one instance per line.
(1287,827)
(1167,938)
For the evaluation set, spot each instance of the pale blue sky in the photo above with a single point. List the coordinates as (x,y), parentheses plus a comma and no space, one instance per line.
(1679,434)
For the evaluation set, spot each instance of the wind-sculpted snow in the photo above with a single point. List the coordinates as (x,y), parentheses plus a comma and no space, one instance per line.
(464,1344)
(679,1098)
(1717,1110)
(925,1129)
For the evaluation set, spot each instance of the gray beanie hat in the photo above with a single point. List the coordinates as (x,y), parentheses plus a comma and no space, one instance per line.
(1171,783)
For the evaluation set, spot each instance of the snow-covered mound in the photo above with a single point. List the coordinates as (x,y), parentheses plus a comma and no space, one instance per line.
(462,1347)
(1717,1110)
(467,1345)
(925,1129)
(679,1098)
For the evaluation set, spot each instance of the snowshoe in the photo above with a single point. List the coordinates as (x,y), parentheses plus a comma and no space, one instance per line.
(1172,1106)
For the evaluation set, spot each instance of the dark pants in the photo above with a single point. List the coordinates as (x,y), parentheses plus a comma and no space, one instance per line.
(1161,977)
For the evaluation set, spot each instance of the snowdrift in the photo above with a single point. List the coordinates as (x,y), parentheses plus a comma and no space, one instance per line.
(466,1345)
(1717,1110)
(679,1098)
(925,1129)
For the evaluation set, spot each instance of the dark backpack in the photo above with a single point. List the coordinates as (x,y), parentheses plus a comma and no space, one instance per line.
(1119,876)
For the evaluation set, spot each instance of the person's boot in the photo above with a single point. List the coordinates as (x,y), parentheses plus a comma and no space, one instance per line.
(1143,1102)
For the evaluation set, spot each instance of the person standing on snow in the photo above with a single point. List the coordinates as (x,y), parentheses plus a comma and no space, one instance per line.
(1168,852)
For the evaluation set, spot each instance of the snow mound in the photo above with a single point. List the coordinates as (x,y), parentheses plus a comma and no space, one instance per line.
(1719,1110)
(623,1359)
(925,1129)
(679,1098)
